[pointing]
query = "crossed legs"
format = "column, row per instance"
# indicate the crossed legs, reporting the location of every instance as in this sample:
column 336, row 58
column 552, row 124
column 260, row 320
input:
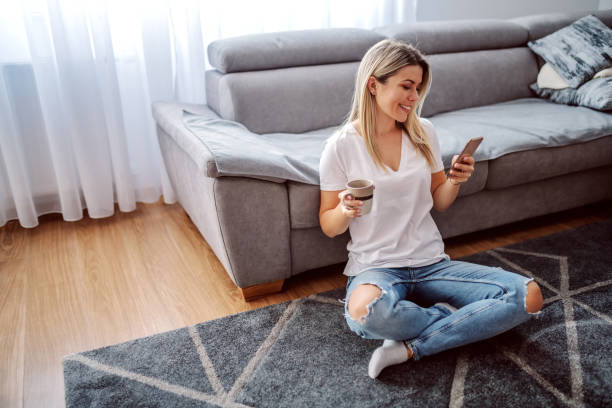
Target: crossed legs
column 366, row 293
column 490, row 301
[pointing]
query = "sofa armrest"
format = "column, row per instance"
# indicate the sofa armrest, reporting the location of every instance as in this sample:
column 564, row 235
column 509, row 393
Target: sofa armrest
column 169, row 116
column 245, row 221
column 254, row 220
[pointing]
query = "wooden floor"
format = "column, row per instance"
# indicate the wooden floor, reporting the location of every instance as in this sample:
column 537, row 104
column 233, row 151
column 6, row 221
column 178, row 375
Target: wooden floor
column 66, row 287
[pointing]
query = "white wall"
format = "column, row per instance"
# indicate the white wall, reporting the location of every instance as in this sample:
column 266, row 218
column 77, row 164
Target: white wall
column 605, row 4
column 473, row 9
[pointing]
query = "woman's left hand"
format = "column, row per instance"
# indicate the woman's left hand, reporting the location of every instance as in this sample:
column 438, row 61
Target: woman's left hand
column 462, row 171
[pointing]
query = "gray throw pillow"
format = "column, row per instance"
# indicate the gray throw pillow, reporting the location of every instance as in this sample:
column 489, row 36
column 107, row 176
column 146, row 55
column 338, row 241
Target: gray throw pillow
column 595, row 94
column 578, row 51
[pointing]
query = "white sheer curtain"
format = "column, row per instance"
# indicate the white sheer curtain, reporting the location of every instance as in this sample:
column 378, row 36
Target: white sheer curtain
column 77, row 79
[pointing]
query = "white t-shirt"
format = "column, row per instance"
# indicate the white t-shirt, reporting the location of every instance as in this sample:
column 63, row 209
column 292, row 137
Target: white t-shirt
column 399, row 231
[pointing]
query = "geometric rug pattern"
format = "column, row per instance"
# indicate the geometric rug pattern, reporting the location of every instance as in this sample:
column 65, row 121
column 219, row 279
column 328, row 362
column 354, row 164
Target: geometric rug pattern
column 301, row 353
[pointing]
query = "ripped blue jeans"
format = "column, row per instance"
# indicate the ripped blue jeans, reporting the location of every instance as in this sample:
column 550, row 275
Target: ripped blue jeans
column 489, row 300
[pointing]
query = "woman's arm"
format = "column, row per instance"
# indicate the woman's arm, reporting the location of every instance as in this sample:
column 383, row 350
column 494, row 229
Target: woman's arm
column 334, row 218
column 444, row 190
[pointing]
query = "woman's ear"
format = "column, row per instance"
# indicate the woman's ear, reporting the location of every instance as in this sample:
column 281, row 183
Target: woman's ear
column 372, row 85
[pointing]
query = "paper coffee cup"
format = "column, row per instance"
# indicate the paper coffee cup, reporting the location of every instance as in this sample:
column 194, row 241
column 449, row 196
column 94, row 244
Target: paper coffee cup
column 362, row 190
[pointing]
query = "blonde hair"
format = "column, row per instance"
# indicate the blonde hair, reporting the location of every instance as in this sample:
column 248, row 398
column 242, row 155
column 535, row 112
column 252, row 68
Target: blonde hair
column 382, row 61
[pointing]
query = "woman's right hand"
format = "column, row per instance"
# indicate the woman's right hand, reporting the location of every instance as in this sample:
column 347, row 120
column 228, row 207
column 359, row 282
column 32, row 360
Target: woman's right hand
column 350, row 208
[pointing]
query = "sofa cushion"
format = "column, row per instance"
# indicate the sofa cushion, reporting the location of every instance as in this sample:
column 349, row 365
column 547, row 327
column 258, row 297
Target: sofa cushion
column 595, row 94
column 508, row 127
column 539, row 164
column 291, row 49
column 578, row 51
column 604, row 73
column 523, row 124
column 304, row 202
column 466, row 79
column 311, row 249
column 548, row 78
column 491, row 208
column 304, row 199
column 436, row 37
column 541, row 25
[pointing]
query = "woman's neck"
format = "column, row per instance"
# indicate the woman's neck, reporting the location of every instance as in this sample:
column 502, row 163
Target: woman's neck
column 385, row 126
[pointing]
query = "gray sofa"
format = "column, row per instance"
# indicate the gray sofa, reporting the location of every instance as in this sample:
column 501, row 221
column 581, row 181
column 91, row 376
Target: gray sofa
column 537, row 158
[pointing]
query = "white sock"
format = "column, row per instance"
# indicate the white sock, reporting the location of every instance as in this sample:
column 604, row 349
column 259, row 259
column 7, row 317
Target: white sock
column 390, row 353
column 452, row 308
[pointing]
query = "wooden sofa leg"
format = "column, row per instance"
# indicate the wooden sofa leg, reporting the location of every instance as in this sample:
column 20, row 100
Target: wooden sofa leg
column 263, row 289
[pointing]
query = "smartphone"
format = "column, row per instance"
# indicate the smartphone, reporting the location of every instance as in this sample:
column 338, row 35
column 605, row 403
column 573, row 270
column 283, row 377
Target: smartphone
column 470, row 148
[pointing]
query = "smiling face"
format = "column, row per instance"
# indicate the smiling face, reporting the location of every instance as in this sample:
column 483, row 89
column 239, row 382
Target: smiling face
column 399, row 94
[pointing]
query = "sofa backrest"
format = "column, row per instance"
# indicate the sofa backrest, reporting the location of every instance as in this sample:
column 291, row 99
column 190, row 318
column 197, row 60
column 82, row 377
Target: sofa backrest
column 541, row 25
column 299, row 81
column 292, row 81
column 473, row 62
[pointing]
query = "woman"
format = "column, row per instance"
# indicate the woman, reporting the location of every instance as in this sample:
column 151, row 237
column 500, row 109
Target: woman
column 402, row 287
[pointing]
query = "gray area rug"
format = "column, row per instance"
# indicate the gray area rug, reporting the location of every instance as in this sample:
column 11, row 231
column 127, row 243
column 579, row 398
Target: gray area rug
column 301, row 354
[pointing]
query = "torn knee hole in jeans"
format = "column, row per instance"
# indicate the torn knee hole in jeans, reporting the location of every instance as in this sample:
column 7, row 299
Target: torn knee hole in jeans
column 361, row 318
column 525, row 306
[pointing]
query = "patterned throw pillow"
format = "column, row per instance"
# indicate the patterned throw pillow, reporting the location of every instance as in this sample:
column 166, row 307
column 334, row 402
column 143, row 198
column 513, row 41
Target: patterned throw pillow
column 578, row 51
column 596, row 94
